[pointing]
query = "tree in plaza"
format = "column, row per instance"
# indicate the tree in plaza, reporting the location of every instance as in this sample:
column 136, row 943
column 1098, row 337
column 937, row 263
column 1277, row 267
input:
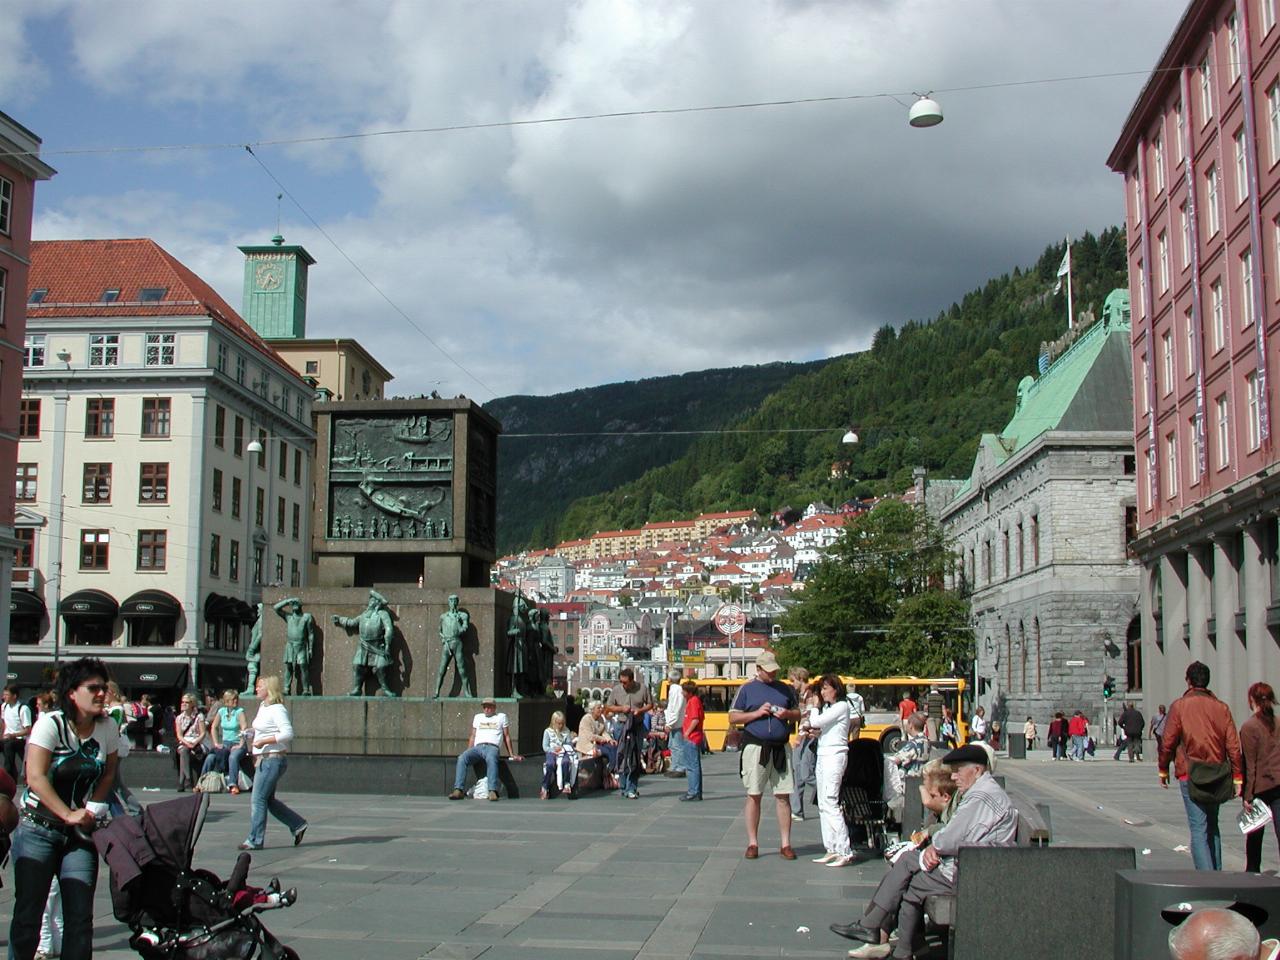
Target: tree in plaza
column 875, row 605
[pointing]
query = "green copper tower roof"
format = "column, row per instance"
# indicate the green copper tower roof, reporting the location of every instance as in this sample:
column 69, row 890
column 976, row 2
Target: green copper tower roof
column 275, row 289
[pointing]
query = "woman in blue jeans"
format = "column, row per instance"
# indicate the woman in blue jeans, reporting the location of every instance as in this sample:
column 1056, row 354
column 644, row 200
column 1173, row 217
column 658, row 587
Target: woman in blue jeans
column 272, row 735
column 71, row 765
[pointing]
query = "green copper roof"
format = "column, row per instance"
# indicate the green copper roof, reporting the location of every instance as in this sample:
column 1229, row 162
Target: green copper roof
column 1088, row 388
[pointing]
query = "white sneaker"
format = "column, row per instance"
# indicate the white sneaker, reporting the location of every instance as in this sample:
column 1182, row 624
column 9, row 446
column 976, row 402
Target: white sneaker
column 874, row 950
column 826, row 857
column 842, row 861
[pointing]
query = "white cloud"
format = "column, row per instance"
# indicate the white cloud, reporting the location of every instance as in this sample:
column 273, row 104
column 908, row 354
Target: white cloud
column 557, row 255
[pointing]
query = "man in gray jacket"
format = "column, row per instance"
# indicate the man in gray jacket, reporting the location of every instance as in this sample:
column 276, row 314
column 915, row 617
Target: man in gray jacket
column 984, row 818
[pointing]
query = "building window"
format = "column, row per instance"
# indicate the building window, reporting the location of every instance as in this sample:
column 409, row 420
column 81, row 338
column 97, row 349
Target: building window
column 32, row 345
column 1130, row 532
column 38, row 295
column 1193, row 450
column 1035, row 541
column 29, row 419
column 239, row 369
column 262, row 451
column 1142, row 289
column 1224, row 430
column 280, row 515
column 295, row 575
column 259, row 506
column 1022, row 551
column 1189, row 335
column 235, row 497
column 237, row 438
column 152, row 294
column 153, row 483
column 1233, row 48
column 297, row 520
column 1214, row 219
column 6, row 204
column 97, row 483
column 1162, row 245
column 104, row 349
column 1177, row 119
column 24, row 558
column 1255, row 410
column 1206, row 91
column 1157, row 164
column 1246, row 288
column 160, row 349
column 1218, row 311
column 100, row 417
column 151, row 549
column 1268, row 9
column 233, row 560
column 221, row 358
column 257, row 564
column 283, row 466
column 1242, row 173
column 1171, row 463
column 1146, row 382
column 94, row 549
column 297, row 407
column 297, row 467
column 1166, row 351
column 279, row 578
column 155, row 416
column 217, row 489
column 312, row 367
column 1186, row 236
column 26, row 482
column 215, row 554
column 219, row 426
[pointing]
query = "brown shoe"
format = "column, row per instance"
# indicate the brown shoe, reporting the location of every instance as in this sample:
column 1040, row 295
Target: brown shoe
column 456, row 795
column 787, row 853
column 752, row 852
column 493, row 794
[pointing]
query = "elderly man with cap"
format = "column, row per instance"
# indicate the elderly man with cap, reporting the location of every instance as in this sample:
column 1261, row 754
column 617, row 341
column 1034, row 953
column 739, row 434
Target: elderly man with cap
column 984, row 818
column 489, row 730
column 766, row 709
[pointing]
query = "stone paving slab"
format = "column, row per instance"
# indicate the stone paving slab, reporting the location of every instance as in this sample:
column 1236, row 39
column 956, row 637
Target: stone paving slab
column 409, row 878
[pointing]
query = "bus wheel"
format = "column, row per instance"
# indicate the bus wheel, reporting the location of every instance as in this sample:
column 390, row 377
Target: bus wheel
column 891, row 741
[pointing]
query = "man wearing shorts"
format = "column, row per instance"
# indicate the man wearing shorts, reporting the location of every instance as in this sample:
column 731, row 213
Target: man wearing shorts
column 766, row 709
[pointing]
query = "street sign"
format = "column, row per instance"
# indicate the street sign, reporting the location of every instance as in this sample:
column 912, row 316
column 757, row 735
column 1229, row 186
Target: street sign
column 730, row 619
column 691, row 657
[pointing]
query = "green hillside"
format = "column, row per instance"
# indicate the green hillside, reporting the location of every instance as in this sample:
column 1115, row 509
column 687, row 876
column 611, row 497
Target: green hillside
column 920, row 396
column 539, row 476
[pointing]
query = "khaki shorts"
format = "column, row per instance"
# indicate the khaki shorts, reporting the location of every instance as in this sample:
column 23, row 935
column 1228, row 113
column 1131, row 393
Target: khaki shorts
column 767, row 779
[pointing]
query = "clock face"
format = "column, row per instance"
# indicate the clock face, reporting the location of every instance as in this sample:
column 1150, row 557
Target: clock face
column 269, row 276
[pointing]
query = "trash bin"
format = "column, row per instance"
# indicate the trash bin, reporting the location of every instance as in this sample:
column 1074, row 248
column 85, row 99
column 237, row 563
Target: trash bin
column 1017, row 746
column 1151, row 902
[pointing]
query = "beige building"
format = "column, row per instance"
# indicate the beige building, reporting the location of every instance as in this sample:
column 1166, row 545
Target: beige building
column 164, row 470
column 340, row 368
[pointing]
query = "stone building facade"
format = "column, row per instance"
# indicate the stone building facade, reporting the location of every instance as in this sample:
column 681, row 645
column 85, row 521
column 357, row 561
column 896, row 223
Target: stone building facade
column 1040, row 531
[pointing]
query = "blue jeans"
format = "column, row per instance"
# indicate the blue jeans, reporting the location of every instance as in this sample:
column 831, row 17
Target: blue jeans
column 630, row 781
column 215, row 759
column 676, row 743
column 1206, row 842
column 1078, row 746
column 270, row 770
column 39, row 854
column 488, row 752
column 233, row 764
column 693, row 764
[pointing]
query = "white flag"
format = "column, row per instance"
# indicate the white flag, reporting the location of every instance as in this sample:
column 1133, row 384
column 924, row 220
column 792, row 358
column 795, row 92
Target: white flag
column 1064, row 268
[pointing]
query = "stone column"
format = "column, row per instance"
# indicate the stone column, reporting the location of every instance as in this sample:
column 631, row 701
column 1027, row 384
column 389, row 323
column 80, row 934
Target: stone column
column 1256, row 598
column 1175, row 616
column 1219, row 657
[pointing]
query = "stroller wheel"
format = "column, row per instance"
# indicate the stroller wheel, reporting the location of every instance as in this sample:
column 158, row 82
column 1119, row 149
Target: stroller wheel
column 290, row 954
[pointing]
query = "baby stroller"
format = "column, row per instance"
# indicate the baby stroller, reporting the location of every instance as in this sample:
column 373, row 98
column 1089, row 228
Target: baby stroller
column 177, row 912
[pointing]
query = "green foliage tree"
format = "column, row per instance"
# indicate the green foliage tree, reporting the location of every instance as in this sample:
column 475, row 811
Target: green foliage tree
column 875, row 605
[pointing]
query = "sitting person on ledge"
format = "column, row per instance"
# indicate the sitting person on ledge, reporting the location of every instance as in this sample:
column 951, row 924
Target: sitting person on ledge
column 984, row 817
column 489, row 730
column 560, row 773
column 594, row 741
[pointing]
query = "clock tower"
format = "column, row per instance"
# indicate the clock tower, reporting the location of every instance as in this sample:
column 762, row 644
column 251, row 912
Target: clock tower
column 275, row 289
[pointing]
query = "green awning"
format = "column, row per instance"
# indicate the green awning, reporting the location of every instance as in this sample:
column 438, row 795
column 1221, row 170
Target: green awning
column 89, row 605
column 24, row 603
column 151, row 603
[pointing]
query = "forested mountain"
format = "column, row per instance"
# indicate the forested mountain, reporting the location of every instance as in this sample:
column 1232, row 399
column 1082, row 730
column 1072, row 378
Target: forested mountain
column 538, row 476
column 921, row 395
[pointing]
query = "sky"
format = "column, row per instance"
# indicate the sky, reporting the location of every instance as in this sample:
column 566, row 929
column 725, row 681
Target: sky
column 543, row 257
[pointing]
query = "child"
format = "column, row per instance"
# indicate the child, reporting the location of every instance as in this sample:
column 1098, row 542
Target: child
column 1029, row 731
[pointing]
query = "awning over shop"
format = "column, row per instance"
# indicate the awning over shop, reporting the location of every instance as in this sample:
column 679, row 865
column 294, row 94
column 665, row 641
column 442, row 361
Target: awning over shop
column 30, row 673
column 148, row 673
column 218, row 607
column 150, row 603
column 89, row 605
column 24, row 603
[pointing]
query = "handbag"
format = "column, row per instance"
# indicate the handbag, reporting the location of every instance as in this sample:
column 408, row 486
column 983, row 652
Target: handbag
column 1209, row 783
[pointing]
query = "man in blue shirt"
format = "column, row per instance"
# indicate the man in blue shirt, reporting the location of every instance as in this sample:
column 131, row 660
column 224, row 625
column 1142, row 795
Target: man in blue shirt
column 766, row 709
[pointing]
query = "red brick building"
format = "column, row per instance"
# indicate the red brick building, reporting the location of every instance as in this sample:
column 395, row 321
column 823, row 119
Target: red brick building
column 20, row 168
column 1200, row 156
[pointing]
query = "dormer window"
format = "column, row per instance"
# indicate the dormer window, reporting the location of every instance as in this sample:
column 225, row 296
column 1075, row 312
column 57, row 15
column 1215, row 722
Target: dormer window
column 152, row 294
column 37, row 296
column 110, row 296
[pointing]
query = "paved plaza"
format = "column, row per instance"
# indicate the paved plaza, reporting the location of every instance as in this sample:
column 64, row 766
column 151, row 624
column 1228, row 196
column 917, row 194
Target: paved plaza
column 404, row 878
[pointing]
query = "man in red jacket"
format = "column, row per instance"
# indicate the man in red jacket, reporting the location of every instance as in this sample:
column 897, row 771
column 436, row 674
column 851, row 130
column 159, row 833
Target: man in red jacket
column 1200, row 731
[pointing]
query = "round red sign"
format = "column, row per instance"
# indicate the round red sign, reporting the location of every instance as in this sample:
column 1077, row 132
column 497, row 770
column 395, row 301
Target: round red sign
column 730, row 619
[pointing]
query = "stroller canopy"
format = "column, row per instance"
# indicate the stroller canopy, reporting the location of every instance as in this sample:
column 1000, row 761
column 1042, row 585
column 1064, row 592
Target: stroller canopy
column 164, row 835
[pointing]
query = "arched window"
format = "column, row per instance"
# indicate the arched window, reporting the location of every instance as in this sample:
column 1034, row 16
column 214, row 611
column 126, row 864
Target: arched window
column 1022, row 649
column 1035, row 628
column 1008, row 657
column 1133, row 656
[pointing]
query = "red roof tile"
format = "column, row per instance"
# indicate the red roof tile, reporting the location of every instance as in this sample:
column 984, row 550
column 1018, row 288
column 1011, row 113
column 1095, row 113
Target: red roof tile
column 76, row 272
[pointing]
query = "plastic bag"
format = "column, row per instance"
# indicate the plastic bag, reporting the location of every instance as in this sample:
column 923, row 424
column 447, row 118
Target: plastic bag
column 1254, row 817
column 481, row 790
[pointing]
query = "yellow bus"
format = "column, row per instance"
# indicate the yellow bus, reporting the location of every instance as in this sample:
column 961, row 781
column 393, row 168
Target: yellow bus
column 881, row 697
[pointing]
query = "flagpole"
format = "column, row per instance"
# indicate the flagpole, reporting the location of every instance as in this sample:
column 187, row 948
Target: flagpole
column 1071, row 313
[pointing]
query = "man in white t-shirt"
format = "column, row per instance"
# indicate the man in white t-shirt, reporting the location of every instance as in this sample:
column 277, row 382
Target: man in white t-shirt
column 17, row 724
column 674, row 716
column 489, row 731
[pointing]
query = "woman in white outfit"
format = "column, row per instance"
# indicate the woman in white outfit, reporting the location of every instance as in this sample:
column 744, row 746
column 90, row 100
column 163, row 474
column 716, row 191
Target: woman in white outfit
column 831, row 720
column 272, row 736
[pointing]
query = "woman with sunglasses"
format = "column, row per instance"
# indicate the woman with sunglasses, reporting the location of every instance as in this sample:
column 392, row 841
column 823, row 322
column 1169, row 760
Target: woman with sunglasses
column 71, row 765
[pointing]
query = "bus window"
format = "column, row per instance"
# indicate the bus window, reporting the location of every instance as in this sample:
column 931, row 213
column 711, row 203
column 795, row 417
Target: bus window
column 713, row 699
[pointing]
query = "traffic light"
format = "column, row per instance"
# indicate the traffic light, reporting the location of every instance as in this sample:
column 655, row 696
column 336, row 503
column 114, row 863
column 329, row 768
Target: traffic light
column 1108, row 687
